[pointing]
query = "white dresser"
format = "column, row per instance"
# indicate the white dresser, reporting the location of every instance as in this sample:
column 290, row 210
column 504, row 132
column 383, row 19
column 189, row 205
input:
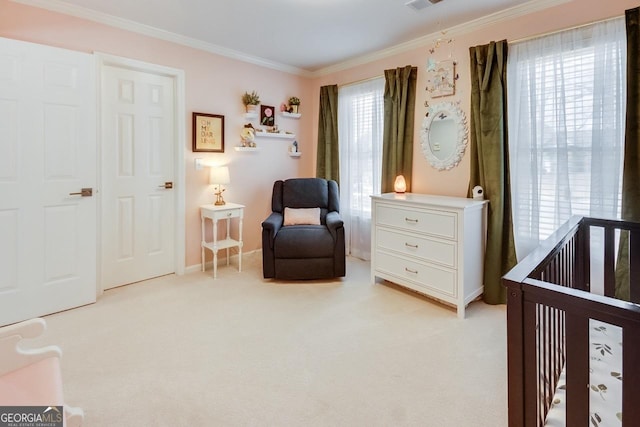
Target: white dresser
column 431, row 244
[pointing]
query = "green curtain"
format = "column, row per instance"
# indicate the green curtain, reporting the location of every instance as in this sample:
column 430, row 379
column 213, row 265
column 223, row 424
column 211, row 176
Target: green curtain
column 399, row 111
column 490, row 161
column 631, row 170
column 327, row 162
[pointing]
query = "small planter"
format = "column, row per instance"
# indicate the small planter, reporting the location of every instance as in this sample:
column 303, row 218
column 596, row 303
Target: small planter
column 251, row 108
column 294, row 109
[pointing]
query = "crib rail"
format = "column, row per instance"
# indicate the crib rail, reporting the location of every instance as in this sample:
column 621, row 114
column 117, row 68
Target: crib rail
column 548, row 310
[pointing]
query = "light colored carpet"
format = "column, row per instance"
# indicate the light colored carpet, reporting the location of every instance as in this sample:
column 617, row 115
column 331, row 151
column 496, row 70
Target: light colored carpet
column 242, row 351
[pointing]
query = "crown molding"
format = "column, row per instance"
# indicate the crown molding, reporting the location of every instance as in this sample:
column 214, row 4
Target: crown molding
column 465, row 28
column 125, row 24
column 147, row 30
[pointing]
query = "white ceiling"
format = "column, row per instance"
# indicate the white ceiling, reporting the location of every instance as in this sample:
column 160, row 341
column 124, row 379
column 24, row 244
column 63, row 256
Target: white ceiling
column 305, row 36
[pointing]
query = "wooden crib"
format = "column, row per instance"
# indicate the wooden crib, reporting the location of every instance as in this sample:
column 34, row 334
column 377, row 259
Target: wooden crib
column 551, row 313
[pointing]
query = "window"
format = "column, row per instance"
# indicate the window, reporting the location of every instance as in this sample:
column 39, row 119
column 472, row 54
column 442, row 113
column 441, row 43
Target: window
column 360, row 128
column 566, row 101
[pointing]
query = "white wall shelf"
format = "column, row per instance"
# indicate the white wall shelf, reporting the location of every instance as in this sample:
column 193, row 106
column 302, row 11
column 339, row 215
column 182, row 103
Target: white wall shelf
column 245, row 148
column 250, row 116
column 295, row 154
column 291, row 115
column 281, row 135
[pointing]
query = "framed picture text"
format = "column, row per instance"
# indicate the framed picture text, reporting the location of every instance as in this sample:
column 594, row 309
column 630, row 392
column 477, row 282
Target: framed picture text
column 208, row 133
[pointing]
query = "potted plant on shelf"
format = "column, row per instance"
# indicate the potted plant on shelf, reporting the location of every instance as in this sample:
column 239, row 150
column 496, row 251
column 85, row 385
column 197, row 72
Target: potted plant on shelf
column 294, row 104
column 251, row 101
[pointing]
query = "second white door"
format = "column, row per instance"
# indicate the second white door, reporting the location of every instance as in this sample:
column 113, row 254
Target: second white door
column 138, row 133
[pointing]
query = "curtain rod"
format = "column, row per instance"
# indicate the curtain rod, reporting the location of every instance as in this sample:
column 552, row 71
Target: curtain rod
column 526, row 39
column 361, row 81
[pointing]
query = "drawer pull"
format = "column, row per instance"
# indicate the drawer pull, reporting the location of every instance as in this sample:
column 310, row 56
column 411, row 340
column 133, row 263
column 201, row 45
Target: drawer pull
column 411, row 246
column 408, row 270
column 415, row 221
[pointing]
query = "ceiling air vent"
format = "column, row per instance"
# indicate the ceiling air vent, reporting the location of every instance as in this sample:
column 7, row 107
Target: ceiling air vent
column 420, row 4
column 417, row 4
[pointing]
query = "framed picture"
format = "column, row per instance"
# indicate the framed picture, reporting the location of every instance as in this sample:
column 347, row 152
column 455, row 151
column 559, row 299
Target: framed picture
column 267, row 115
column 208, row 132
column 441, row 78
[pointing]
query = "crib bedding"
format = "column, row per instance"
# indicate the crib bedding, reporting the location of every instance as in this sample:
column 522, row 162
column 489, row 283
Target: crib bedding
column 605, row 373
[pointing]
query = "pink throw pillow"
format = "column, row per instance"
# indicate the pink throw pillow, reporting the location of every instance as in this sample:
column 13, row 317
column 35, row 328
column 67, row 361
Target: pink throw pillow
column 302, row 216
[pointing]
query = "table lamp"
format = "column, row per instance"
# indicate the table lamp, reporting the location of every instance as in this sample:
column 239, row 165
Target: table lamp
column 219, row 176
column 400, row 185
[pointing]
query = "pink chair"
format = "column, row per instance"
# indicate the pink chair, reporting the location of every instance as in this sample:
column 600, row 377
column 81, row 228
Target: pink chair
column 32, row 377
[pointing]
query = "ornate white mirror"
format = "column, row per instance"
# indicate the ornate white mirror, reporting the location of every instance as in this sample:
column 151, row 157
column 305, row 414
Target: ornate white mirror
column 444, row 135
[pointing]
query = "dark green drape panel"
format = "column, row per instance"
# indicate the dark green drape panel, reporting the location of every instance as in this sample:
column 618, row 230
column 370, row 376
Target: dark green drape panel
column 631, row 171
column 327, row 162
column 490, row 161
column 399, row 109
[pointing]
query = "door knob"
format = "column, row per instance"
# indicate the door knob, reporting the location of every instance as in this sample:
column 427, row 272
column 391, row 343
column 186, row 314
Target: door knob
column 166, row 185
column 84, row 192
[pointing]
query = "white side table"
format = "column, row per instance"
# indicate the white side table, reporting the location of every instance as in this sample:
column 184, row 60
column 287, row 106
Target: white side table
column 215, row 213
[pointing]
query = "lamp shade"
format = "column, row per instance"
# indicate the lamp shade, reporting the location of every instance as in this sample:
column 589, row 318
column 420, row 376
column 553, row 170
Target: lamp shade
column 219, row 175
column 400, row 185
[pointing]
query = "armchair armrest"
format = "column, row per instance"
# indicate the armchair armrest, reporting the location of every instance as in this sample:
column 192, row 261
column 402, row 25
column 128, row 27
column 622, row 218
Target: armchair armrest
column 334, row 222
column 32, row 376
column 13, row 356
column 272, row 224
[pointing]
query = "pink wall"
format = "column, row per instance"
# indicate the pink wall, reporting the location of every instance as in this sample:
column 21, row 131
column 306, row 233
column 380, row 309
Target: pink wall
column 455, row 182
column 214, row 84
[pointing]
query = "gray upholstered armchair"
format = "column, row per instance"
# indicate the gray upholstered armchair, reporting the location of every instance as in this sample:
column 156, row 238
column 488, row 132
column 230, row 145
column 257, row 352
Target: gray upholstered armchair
column 304, row 250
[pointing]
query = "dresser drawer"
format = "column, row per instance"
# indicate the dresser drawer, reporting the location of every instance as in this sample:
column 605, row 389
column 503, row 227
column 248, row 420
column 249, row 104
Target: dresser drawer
column 431, row 278
column 438, row 251
column 435, row 223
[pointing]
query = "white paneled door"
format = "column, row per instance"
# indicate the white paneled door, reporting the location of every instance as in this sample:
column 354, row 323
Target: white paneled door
column 47, row 158
column 138, row 205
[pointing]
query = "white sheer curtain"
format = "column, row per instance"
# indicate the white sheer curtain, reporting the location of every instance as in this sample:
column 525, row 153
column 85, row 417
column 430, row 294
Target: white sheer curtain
column 566, row 101
column 360, row 126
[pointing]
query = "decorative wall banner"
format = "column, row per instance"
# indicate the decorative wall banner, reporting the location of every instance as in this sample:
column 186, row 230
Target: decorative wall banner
column 441, row 78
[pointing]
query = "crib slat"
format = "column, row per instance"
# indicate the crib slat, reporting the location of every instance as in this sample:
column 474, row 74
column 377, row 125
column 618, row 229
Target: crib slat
column 572, row 263
column 584, row 254
column 545, row 347
column 554, row 346
column 577, row 339
column 565, row 266
column 609, row 269
column 630, row 375
column 531, row 378
column 515, row 357
column 634, row 267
